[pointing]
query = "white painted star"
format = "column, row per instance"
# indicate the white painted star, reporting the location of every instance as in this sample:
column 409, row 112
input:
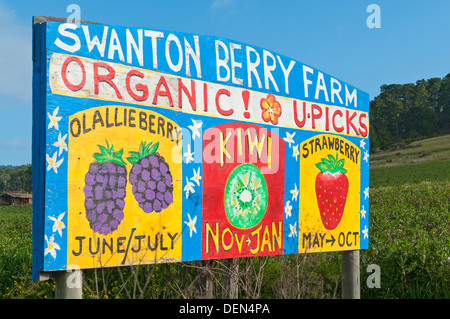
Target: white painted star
column 51, row 246
column 294, row 192
column 366, row 193
column 195, row 128
column 362, row 143
column 288, row 209
column 188, row 154
column 53, row 163
column 365, row 232
column 363, row 212
column 295, row 152
column 58, row 225
column 61, row 143
column 54, row 119
column 191, row 225
column 189, row 187
column 196, row 178
column 293, row 230
column 289, row 138
column 366, row 156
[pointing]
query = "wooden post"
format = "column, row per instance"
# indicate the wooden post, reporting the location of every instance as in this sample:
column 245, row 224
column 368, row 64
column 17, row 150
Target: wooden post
column 68, row 284
column 230, row 278
column 350, row 275
column 204, row 283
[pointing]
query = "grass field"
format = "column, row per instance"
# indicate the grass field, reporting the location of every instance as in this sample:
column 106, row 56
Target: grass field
column 427, row 160
column 429, row 150
column 409, row 240
column 15, row 255
column 409, row 216
column 432, row 171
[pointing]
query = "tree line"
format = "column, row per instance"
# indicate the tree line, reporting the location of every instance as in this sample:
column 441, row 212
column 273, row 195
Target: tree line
column 403, row 113
column 15, row 178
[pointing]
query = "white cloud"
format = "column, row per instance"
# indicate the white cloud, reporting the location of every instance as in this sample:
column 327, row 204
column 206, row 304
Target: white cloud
column 15, row 59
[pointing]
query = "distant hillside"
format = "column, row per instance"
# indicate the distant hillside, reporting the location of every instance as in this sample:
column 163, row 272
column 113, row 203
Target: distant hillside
column 433, row 149
column 424, row 160
column 403, row 113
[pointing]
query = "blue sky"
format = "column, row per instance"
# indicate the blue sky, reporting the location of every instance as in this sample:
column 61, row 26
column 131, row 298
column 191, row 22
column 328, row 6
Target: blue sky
column 333, row 36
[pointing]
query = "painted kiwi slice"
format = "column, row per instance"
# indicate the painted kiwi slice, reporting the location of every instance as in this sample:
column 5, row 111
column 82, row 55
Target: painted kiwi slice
column 245, row 196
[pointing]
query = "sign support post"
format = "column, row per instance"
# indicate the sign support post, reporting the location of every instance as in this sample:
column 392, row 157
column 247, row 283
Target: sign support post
column 350, row 275
column 68, row 284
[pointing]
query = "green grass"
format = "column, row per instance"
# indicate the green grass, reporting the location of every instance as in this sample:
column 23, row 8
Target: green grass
column 410, row 241
column 409, row 216
column 15, row 256
column 430, row 171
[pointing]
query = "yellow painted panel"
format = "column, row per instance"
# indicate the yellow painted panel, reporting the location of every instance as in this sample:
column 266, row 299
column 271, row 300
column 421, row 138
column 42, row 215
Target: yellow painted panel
column 329, row 202
column 140, row 237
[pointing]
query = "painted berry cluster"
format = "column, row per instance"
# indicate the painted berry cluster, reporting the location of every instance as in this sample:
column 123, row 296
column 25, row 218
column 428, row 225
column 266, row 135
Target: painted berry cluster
column 151, row 178
column 105, row 190
column 106, row 180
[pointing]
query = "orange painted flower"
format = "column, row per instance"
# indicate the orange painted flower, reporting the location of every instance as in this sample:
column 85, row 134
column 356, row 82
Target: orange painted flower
column 271, row 109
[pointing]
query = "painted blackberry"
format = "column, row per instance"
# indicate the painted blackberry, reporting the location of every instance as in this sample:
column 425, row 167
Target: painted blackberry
column 151, row 178
column 105, row 190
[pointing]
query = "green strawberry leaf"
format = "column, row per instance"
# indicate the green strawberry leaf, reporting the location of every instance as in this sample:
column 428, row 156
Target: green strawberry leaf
column 332, row 160
column 331, row 165
column 327, row 162
column 322, row 167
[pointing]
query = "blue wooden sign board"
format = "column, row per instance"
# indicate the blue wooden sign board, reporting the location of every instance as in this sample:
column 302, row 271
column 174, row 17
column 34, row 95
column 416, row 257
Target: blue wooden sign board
column 154, row 146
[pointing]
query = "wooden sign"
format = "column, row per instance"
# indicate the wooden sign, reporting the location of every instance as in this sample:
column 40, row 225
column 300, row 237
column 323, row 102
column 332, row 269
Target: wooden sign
column 152, row 146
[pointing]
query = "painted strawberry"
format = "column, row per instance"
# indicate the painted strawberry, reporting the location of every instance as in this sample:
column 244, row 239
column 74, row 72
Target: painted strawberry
column 331, row 190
